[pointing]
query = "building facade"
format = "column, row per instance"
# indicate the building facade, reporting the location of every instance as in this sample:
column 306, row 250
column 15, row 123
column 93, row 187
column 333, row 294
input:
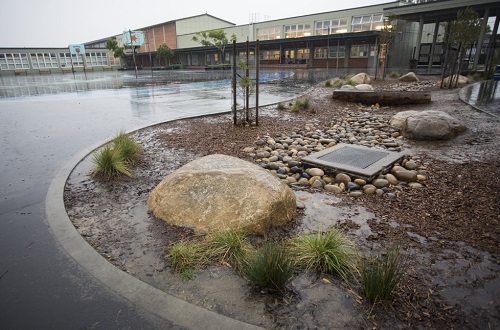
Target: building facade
column 341, row 39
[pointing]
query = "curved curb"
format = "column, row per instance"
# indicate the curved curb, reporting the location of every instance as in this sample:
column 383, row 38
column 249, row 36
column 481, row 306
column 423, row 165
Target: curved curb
column 462, row 98
column 138, row 293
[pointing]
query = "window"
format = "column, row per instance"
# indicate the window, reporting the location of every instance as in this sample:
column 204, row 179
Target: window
column 303, row 53
column 367, row 22
column 14, row 61
column 297, row 30
column 96, row 59
column 333, row 26
column 270, row 33
column 359, row 51
column 270, row 55
column 331, row 52
column 44, row 60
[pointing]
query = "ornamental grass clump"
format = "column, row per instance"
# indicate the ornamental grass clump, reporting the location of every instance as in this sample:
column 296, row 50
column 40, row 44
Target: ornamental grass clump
column 327, row 252
column 228, row 246
column 300, row 104
column 109, row 163
column 114, row 159
column 185, row 256
column 270, row 267
column 394, row 74
column 381, row 273
column 327, row 83
column 128, row 148
column 338, row 82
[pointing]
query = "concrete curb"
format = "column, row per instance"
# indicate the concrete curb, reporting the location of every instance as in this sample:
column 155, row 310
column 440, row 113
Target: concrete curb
column 138, row 293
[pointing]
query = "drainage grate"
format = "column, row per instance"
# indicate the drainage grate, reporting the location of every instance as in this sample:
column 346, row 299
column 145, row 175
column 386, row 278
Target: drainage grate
column 354, row 157
column 356, row 160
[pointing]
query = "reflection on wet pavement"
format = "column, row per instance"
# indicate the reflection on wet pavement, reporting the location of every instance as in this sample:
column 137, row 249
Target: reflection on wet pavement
column 484, row 95
column 323, row 212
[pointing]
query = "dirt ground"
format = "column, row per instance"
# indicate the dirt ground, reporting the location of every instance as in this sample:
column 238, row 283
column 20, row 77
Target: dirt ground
column 450, row 228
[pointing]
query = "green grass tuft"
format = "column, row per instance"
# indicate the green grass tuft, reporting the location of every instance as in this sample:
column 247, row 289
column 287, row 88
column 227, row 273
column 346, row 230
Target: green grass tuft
column 129, row 149
column 270, row 267
column 328, row 252
column 300, row 104
column 338, row 82
column 381, row 273
column 109, row 163
column 185, row 255
column 327, row 83
column 394, row 74
column 281, row 106
column 229, row 246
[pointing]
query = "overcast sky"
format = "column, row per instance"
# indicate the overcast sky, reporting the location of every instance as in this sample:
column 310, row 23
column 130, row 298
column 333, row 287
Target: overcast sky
column 58, row 23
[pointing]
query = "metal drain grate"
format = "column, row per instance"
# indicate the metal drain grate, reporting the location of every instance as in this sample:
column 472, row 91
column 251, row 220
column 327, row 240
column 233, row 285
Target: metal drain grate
column 356, row 160
column 354, row 157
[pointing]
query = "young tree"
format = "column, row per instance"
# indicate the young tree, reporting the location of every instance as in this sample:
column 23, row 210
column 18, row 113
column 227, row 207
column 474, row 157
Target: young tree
column 464, row 31
column 112, row 44
column 216, row 38
column 164, row 52
column 387, row 34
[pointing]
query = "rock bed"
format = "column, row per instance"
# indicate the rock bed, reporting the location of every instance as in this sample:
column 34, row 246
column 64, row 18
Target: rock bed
column 282, row 155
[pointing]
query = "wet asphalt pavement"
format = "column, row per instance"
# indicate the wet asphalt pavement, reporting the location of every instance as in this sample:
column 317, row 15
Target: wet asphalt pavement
column 45, row 120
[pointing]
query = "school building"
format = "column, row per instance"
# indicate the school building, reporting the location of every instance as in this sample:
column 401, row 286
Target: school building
column 337, row 39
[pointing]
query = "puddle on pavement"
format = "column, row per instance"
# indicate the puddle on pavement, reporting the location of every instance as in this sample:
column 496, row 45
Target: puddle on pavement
column 322, row 212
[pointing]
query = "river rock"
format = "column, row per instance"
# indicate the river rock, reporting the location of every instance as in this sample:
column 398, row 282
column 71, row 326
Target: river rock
column 391, row 178
column 333, row 188
column 380, row 183
column 219, row 191
column 315, row 171
column 405, row 175
column 342, row 177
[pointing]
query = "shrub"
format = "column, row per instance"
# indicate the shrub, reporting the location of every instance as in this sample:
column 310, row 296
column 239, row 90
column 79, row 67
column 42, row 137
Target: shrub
column 300, row 104
column 109, row 163
column 327, row 83
column 229, row 246
column 270, row 267
column 351, row 82
column 394, row 74
column 328, row 252
column 129, row 149
column 381, row 273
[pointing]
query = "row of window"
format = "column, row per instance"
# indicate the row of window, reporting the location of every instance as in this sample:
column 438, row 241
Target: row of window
column 333, row 26
column 321, row 52
column 13, row 61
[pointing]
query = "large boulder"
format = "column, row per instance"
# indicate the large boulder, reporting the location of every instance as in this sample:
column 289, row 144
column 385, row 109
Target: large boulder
column 361, row 78
column 410, row 76
column 399, row 120
column 462, row 80
column 218, row 192
column 432, row 125
column 364, row 87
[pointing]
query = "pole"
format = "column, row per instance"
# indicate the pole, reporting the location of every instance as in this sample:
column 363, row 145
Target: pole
column 247, row 88
column 257, row 68
column 133, row 52
column 234, row 82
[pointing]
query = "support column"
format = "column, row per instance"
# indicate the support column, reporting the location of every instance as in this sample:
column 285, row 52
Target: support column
column 433, row 46
column 347, row 53
column 479, row 43
column 491, row 47
column 419, row 37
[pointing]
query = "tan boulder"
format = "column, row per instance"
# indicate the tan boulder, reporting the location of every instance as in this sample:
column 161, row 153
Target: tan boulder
column 361, row 78
column 218, row 192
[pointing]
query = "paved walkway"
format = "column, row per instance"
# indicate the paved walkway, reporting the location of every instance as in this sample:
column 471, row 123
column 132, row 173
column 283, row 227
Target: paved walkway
column 484, row 96
column 49, row 276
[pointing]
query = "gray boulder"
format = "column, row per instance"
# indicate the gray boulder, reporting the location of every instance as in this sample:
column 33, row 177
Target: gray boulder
column 399, row 120
column 462, row 80
column 432, row 125
column 361, row 78
column 364, row 87
column 217, row 192
column 410, row 76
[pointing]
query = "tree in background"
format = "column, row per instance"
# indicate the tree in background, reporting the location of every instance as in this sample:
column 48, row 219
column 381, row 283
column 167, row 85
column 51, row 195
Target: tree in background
column 216, row 38
column 387, row 34
column 112, row 44
column 164, row 52
column 464, row 31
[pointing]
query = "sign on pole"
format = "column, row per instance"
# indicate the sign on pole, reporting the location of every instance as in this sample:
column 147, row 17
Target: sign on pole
column 133, row 38
column 77, row 49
